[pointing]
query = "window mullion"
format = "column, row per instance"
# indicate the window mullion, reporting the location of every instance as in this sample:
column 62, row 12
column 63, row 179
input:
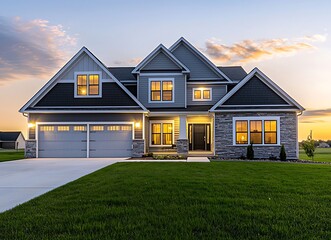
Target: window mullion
column 263, row 132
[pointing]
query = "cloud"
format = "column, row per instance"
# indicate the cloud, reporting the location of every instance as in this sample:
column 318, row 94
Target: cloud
column 249, row 50
column 31, row 49
column 131, row 62
column 318, row 113
column 316, row 116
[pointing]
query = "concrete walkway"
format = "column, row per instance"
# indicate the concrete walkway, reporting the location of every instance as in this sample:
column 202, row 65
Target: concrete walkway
column 23, row 180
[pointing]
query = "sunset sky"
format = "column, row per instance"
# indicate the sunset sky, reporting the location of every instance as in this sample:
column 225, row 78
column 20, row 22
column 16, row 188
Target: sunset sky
column 288, row 40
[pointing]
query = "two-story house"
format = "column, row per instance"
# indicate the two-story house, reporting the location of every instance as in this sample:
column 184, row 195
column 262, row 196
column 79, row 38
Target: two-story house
column 175, row 99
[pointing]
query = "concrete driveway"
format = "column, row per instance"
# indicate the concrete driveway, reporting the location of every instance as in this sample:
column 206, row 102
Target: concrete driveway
column 23, row 180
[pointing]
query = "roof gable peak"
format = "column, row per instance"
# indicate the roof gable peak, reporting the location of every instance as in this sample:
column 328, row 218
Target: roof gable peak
column 263, row 78
column 154, row 53
column 200, row 55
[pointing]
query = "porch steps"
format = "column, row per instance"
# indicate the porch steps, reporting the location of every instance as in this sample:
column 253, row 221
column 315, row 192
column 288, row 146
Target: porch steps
column 197, row 159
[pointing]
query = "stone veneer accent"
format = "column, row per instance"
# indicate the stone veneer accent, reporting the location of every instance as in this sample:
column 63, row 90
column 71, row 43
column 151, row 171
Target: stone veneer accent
column 30, row 148
column 224, row 147
column 182, row 146
column 138, row 148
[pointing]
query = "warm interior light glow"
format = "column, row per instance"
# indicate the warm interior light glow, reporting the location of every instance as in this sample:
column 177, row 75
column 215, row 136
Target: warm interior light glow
column 137, row 124
column 31, row 125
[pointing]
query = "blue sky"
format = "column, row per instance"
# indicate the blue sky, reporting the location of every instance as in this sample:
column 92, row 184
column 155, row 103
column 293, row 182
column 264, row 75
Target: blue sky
column 288, row 40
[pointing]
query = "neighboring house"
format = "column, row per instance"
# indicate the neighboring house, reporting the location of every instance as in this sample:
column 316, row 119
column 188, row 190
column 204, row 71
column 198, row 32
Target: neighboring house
column 323, row 145
column 12, row 140
column 175, row 99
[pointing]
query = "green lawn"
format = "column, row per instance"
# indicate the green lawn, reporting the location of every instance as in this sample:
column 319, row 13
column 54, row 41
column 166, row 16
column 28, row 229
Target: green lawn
column 218, row 200
column 321, row 155
column 9, row 155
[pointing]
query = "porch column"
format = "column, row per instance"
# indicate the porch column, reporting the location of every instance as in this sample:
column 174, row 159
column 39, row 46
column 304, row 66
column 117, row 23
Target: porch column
column 182, row 142
column 182, row 127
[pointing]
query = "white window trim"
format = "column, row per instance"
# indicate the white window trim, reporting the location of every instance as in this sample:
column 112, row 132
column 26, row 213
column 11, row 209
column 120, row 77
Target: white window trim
column 248, row 129
column 202, row 99
column 161, row 80
column 161, row 121
column 88, row 73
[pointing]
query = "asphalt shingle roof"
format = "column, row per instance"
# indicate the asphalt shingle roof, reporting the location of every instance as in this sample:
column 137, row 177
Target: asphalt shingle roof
column 9, row 136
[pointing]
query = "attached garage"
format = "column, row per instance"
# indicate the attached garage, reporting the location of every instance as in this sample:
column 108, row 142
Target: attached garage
column 85, row 140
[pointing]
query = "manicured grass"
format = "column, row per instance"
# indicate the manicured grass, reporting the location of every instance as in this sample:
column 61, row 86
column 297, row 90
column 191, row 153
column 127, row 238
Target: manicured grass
column 218, row 200
column 9, row 155
column 321, row 155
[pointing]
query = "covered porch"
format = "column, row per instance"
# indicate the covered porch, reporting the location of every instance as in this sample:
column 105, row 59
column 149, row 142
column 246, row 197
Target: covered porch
column 184, row 134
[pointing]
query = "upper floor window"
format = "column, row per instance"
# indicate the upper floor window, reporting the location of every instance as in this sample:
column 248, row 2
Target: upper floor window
column 202, row 94
column 161, row 90
column 256, row 130
column 87, row 84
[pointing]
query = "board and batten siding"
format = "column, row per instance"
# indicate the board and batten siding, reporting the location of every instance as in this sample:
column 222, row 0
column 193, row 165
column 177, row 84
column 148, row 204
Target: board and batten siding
column 198, row 68
column 178, row 94
column 161, row 62
column 218, row 91
column 85, row 117
column 83, row 64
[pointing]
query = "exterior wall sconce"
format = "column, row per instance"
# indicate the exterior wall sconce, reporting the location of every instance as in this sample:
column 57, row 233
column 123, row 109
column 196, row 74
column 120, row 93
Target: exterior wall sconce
column 137, row 125
column 31, row 125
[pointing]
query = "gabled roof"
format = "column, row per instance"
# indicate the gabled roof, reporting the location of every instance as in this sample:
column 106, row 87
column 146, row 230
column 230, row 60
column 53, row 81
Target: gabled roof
column 235, row 73
column 9, row 136
column 198, row 53
column 122, row 73
column 52, row 82
column 154, row 53
column 291, row 103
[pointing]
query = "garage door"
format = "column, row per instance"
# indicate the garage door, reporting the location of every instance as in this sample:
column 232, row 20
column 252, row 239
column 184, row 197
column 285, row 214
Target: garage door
column 62, row 141
column 111, row 140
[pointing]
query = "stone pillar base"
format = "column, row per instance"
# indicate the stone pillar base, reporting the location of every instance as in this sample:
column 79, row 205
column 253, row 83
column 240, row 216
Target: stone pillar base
column 138, row 148
column 182, row 146
column 30, row 148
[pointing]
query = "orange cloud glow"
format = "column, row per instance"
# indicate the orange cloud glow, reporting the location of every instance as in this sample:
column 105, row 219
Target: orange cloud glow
column 249, row 50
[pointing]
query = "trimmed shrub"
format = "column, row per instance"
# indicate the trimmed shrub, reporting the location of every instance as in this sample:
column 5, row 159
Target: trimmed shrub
column 282, row 154
column 250, row 152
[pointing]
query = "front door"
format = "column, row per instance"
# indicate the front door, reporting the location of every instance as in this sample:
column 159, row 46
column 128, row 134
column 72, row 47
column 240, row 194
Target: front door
column 199, row 137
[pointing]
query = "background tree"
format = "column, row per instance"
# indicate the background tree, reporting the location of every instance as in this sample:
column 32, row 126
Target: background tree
column 309, row 147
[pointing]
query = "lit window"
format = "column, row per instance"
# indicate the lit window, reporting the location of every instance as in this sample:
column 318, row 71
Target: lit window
column 126, row 128
column 97, row 128
column 167, row 133
column 161, row 91
column 201, row 94
column 156, row 134
column 88, row 84
column 162, row 134
column 114, row 128
column 270, row 132
column 241, row 132
column 47, row 128
column 256, row 132
column 80, row 128
column 261, row 131
column 63, row 128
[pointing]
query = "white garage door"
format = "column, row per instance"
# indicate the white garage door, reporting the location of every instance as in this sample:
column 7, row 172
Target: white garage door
column 111, row 140
column 62, row 141
column 70, row 141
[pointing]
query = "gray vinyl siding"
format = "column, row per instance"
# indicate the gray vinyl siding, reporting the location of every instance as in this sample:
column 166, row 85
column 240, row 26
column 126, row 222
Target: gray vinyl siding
column 82, row 64
column 178, row 94
column 161, row 62
column 85, row 117
column 147, row 133
column 198, row 68
column 255, row 92
column 218, row 91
